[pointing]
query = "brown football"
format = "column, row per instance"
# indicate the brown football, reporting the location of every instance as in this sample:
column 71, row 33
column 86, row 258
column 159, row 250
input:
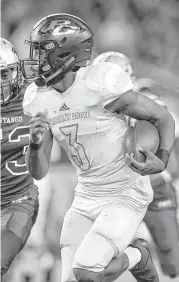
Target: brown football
column 142, row 135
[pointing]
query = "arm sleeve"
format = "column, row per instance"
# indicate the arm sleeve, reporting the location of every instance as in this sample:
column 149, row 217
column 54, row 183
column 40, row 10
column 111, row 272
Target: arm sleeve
column 110, row 80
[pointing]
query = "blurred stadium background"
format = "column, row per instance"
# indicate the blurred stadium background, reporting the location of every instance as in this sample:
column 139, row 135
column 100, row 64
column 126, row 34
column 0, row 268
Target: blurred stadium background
column 146, row 31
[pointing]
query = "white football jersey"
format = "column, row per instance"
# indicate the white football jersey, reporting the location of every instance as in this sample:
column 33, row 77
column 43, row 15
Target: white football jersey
column 91, row 136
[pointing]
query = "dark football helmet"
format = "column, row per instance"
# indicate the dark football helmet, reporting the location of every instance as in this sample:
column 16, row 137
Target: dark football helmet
column 11, row 75
column 58, row 43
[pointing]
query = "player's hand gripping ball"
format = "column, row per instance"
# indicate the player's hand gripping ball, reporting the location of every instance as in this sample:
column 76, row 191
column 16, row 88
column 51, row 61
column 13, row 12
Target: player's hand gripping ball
column 140, row 144
column 39, row 124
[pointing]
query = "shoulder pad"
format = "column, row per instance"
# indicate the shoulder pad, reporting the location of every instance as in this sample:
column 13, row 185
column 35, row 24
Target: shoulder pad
column 95, row 78
column 108, row 77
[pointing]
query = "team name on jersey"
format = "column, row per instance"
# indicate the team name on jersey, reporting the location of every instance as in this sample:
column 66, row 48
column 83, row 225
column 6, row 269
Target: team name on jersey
column 70, row 116
column 11, row 119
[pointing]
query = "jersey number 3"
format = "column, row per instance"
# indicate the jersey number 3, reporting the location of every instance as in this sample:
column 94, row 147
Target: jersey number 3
column 75, row 150
column 15, row 136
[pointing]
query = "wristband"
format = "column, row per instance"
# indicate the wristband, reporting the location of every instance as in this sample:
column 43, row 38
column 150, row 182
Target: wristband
column 35, row 146
column 163, row 155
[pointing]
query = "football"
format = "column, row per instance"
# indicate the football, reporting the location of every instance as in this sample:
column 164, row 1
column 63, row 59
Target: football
column 142, row 135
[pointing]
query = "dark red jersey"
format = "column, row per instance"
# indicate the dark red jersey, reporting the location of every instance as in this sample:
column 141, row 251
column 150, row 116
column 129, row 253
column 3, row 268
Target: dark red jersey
column 16, row 182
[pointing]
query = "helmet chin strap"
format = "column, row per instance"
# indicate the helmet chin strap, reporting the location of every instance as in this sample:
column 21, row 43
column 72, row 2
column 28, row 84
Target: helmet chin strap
column 42, row 80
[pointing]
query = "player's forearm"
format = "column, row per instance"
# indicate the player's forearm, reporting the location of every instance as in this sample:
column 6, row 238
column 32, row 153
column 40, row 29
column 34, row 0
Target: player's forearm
column 37, row 163
column 166, row 128
column 139, row 107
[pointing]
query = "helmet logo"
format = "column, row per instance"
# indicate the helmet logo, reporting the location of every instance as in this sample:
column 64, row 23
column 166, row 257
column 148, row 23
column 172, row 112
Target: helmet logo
column 58, row 27
column 64, row 29
column 50, row 46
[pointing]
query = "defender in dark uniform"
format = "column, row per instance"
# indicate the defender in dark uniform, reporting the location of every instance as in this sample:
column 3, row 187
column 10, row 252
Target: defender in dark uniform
column 19, row 195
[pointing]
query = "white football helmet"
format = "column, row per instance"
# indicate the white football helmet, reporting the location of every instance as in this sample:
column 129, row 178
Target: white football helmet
column 10, row 78
column 116, row 58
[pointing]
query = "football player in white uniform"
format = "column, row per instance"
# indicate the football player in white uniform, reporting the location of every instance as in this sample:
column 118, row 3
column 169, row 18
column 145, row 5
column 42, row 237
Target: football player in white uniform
column 79, row 109
column 161, row 216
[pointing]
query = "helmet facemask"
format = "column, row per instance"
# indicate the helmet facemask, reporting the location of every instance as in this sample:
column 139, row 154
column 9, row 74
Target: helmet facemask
column 10, row 81
column 31, row 67
column 46, row 64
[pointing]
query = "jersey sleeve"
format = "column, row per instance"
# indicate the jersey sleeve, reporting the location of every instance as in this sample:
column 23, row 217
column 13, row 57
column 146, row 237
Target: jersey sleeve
column 110, row 80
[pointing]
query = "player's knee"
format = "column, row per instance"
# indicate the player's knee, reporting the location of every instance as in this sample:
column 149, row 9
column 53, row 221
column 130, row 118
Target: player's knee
column 83, row 275
column 94, row 254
